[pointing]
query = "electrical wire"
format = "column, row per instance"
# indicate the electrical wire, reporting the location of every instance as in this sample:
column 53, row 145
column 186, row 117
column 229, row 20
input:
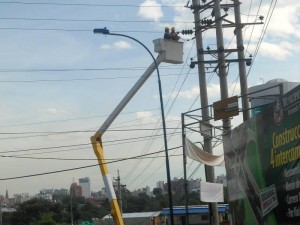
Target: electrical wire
column 138, row 163
column 77, row 159
column 89, row 5
column 77, row 30
column 86, row 20
column 11, row 70
column 269, row 16
column 64, row 170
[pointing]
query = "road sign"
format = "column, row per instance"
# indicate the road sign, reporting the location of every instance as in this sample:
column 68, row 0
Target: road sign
column 226, row 108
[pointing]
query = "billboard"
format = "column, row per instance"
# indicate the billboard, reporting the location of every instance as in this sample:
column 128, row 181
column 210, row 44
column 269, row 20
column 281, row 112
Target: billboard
column 262, row 159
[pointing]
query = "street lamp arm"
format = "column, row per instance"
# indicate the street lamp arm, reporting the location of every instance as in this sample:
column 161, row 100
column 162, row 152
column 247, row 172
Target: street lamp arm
column 105, row 31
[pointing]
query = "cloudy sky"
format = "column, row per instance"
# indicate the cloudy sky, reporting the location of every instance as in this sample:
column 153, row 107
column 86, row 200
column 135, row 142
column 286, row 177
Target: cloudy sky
column 59, row 82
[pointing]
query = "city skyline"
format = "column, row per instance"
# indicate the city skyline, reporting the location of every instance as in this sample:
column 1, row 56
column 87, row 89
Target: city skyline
column 158, row 184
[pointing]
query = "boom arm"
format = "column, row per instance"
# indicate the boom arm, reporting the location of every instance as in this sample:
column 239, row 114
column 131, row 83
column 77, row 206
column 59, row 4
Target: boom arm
column 98, row 148
column 129, row 95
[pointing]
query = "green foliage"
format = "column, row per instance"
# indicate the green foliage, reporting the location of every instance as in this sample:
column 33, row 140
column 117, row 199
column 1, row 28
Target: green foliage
column 46, row 219
column 43, row 212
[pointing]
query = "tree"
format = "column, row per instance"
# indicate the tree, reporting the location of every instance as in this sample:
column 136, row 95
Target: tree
column 38, row 212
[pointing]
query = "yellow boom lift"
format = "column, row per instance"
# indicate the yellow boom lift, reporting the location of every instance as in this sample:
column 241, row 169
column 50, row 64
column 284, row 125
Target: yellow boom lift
column 169, row 52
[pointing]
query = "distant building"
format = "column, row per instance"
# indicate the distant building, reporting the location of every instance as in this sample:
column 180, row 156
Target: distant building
column 6, row 196
column 45, row 196
column 85, row 185
column 194, row 185
column 61, row 192
column 75, row 190
column 198, row 214
column 178, row 186
column 146, row 190
column 160, row 184
column 261, row 95
column 140, row 218
column 221, row 179
column 19, row 198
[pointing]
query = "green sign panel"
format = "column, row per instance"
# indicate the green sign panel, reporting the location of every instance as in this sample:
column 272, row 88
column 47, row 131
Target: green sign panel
column 262, row 159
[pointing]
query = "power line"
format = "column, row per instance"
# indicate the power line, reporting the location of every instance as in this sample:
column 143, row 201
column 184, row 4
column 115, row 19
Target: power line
column 73, row 159
column 66, row 120
column 87, row 20
column 116, row 141
column 79, row 131
column 77, row 30
column 77, row 79
column 89, row 5
column 10, row 70
column 59, row 133
column 72, row 169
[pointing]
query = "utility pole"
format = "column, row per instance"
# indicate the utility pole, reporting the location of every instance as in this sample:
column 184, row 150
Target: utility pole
column 221, row 60
column 241, row 57
column 207, row 142
column 71, row 195
column 0, row 213
column 119, row 186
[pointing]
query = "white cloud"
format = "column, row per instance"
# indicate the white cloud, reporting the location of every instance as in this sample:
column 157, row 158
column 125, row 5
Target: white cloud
column 122, row 45
column 171, row 118
column 284, row 20
column 189, row 94
column 105, row 46
column 152, row 13
column 53, row 111
column 213, row 91
column 146, row 116
column 117, row 45
column 282, row 35
column 279, row 51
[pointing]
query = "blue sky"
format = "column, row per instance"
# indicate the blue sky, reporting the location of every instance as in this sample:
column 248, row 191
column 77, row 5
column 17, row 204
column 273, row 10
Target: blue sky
column 59, row 83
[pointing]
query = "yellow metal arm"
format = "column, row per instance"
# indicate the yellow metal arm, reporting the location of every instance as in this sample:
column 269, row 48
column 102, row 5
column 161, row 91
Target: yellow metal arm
column 98, row 149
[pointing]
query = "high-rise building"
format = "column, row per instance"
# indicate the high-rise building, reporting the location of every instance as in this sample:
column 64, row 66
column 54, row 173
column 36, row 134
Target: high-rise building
column 75, row 190
column 85, row 185
column 160, row 184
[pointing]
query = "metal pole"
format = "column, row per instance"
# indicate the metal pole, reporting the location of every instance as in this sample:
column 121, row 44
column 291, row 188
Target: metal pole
column 163, row 121
column 0, row 213
column 71, row 208
column 241, row 57
column 221, row 66
column 184, row 171
column 120, row 193
column 209, row 171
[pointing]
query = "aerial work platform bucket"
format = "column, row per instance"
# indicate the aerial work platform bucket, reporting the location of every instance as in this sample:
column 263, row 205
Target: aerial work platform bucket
column 171, row 51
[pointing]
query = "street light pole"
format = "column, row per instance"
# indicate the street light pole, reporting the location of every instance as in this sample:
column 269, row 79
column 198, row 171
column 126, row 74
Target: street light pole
column 71, row 207
column 106, row 32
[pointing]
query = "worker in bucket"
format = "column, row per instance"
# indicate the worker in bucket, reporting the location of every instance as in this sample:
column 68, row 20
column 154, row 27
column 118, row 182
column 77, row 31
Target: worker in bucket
column 167, row 34
column 174, row 35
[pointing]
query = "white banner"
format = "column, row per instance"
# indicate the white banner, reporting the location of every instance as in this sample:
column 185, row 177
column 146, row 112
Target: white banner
column 211, row 192
column 198, row 154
